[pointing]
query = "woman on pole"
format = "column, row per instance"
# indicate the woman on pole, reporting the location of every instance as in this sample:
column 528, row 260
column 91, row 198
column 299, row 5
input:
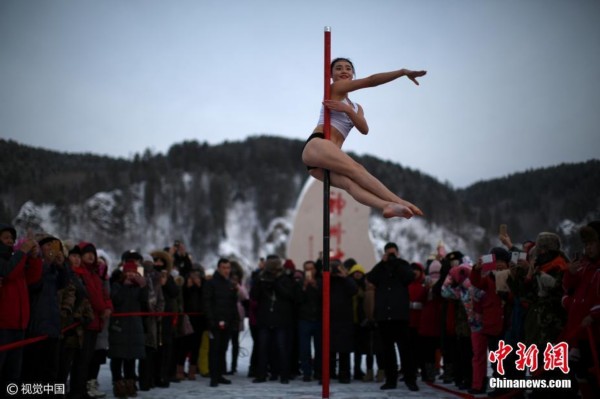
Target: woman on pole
column 320, row 154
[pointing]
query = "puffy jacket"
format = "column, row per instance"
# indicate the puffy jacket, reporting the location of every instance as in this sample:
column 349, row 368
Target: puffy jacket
column 490, row 305
column 16, row 274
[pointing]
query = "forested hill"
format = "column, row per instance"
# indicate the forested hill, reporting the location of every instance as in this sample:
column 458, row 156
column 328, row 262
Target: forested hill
column 268, row 172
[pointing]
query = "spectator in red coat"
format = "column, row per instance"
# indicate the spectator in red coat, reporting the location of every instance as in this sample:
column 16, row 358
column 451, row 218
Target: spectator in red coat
column 582, row 300
column 17, row 270
column 102, row 306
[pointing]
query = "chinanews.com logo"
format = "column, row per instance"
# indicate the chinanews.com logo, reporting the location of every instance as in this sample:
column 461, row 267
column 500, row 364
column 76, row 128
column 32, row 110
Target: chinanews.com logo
column 554, row 357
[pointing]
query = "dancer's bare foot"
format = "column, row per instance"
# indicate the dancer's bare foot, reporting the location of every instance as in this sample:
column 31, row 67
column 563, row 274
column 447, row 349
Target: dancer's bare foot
column 396, row 210
column 413, row 208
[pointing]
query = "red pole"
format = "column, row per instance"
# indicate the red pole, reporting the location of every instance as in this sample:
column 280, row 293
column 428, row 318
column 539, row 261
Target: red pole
column 326, row 272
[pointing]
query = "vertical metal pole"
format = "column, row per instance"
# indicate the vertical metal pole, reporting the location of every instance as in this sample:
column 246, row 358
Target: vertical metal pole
column 326, row 232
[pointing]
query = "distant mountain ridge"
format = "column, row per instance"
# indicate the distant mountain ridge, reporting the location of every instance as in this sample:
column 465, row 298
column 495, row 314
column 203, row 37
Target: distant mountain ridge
column 195, row 191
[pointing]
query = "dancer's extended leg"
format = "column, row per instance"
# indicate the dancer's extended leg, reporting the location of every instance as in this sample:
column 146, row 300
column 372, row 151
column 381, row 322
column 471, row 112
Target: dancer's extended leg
column 388, row 208
column 326, row 155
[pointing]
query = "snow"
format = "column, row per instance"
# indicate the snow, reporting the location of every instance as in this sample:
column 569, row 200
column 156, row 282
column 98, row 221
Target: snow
column 242, row 387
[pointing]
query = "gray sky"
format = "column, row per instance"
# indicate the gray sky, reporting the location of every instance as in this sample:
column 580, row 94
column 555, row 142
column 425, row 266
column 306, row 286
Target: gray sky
column 511, row 85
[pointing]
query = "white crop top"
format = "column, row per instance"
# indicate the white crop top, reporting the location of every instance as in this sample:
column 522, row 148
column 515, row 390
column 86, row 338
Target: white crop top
column 339, row 120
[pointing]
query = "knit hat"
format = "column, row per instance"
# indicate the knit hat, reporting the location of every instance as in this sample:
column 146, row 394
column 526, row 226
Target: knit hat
column 591, row 232
column 131, row 254
column 87, row 247
column 547, row 241
column 501, row 254
column 75, row 250
column 289, row 265
column 357, row 268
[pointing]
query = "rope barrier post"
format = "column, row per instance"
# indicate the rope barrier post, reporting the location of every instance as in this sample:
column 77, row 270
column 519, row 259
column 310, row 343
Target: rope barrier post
column 326, row 232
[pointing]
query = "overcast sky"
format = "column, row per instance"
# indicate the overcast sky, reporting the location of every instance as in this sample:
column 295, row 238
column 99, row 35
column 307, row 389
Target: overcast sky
column 511, row 85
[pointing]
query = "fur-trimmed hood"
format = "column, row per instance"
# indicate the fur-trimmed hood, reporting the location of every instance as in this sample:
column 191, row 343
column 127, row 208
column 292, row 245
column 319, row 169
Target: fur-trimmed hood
column 166, row 258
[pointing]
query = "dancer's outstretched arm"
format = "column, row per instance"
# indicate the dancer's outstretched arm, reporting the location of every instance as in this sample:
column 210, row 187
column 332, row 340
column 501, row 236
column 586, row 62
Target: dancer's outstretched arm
column 346, row 86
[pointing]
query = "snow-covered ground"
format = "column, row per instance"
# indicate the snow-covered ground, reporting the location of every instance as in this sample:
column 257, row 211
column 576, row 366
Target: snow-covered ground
column 242, row 387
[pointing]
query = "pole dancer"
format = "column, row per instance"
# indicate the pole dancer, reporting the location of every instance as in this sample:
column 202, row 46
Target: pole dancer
column 320, row 154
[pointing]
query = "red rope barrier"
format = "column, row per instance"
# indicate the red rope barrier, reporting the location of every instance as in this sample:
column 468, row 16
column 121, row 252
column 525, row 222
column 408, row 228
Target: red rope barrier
column 28, row 341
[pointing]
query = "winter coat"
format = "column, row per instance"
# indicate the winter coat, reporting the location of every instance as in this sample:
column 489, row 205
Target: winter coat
column 192, row 303
column 545, row 318
column 75, row 309
column 430, row 323
column 276, row 297
column 97, row 293
column 243, row 297
column 582, row 299
column 310, row 304
column 156, row 304
column 342, row 289
column 220, row 302
column 126, row 333
column 43, row 297
column 391, row 279
column 17, row 271
column 417, row 294
column 490, row 305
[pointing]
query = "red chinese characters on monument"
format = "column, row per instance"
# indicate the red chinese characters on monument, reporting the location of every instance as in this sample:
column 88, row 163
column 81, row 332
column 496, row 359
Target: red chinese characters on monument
column 336, row 204
column 336, row 208
column 555, row 356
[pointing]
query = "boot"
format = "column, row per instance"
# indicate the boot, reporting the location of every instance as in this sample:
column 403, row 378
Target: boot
column 119, row 389
column 368, row 376
column 192, row 372
column 130, row 388
column 179, row 375
column 380, row 375
column 92, row 389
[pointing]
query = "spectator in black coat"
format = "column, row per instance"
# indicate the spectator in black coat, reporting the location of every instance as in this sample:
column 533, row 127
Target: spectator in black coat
column 220, row 307
column 274, row 293
column 391, row 278
column 343, row 288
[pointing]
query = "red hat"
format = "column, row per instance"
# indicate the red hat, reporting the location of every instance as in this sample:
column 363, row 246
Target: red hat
column 289, row 264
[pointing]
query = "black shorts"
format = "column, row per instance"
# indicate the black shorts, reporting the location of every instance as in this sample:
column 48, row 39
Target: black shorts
column 313, row 136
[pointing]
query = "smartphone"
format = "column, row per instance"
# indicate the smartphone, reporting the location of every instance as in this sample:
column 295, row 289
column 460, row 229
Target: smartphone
column 308, row 275
column 515, row 257
column 488, row 262
column 503, row 230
